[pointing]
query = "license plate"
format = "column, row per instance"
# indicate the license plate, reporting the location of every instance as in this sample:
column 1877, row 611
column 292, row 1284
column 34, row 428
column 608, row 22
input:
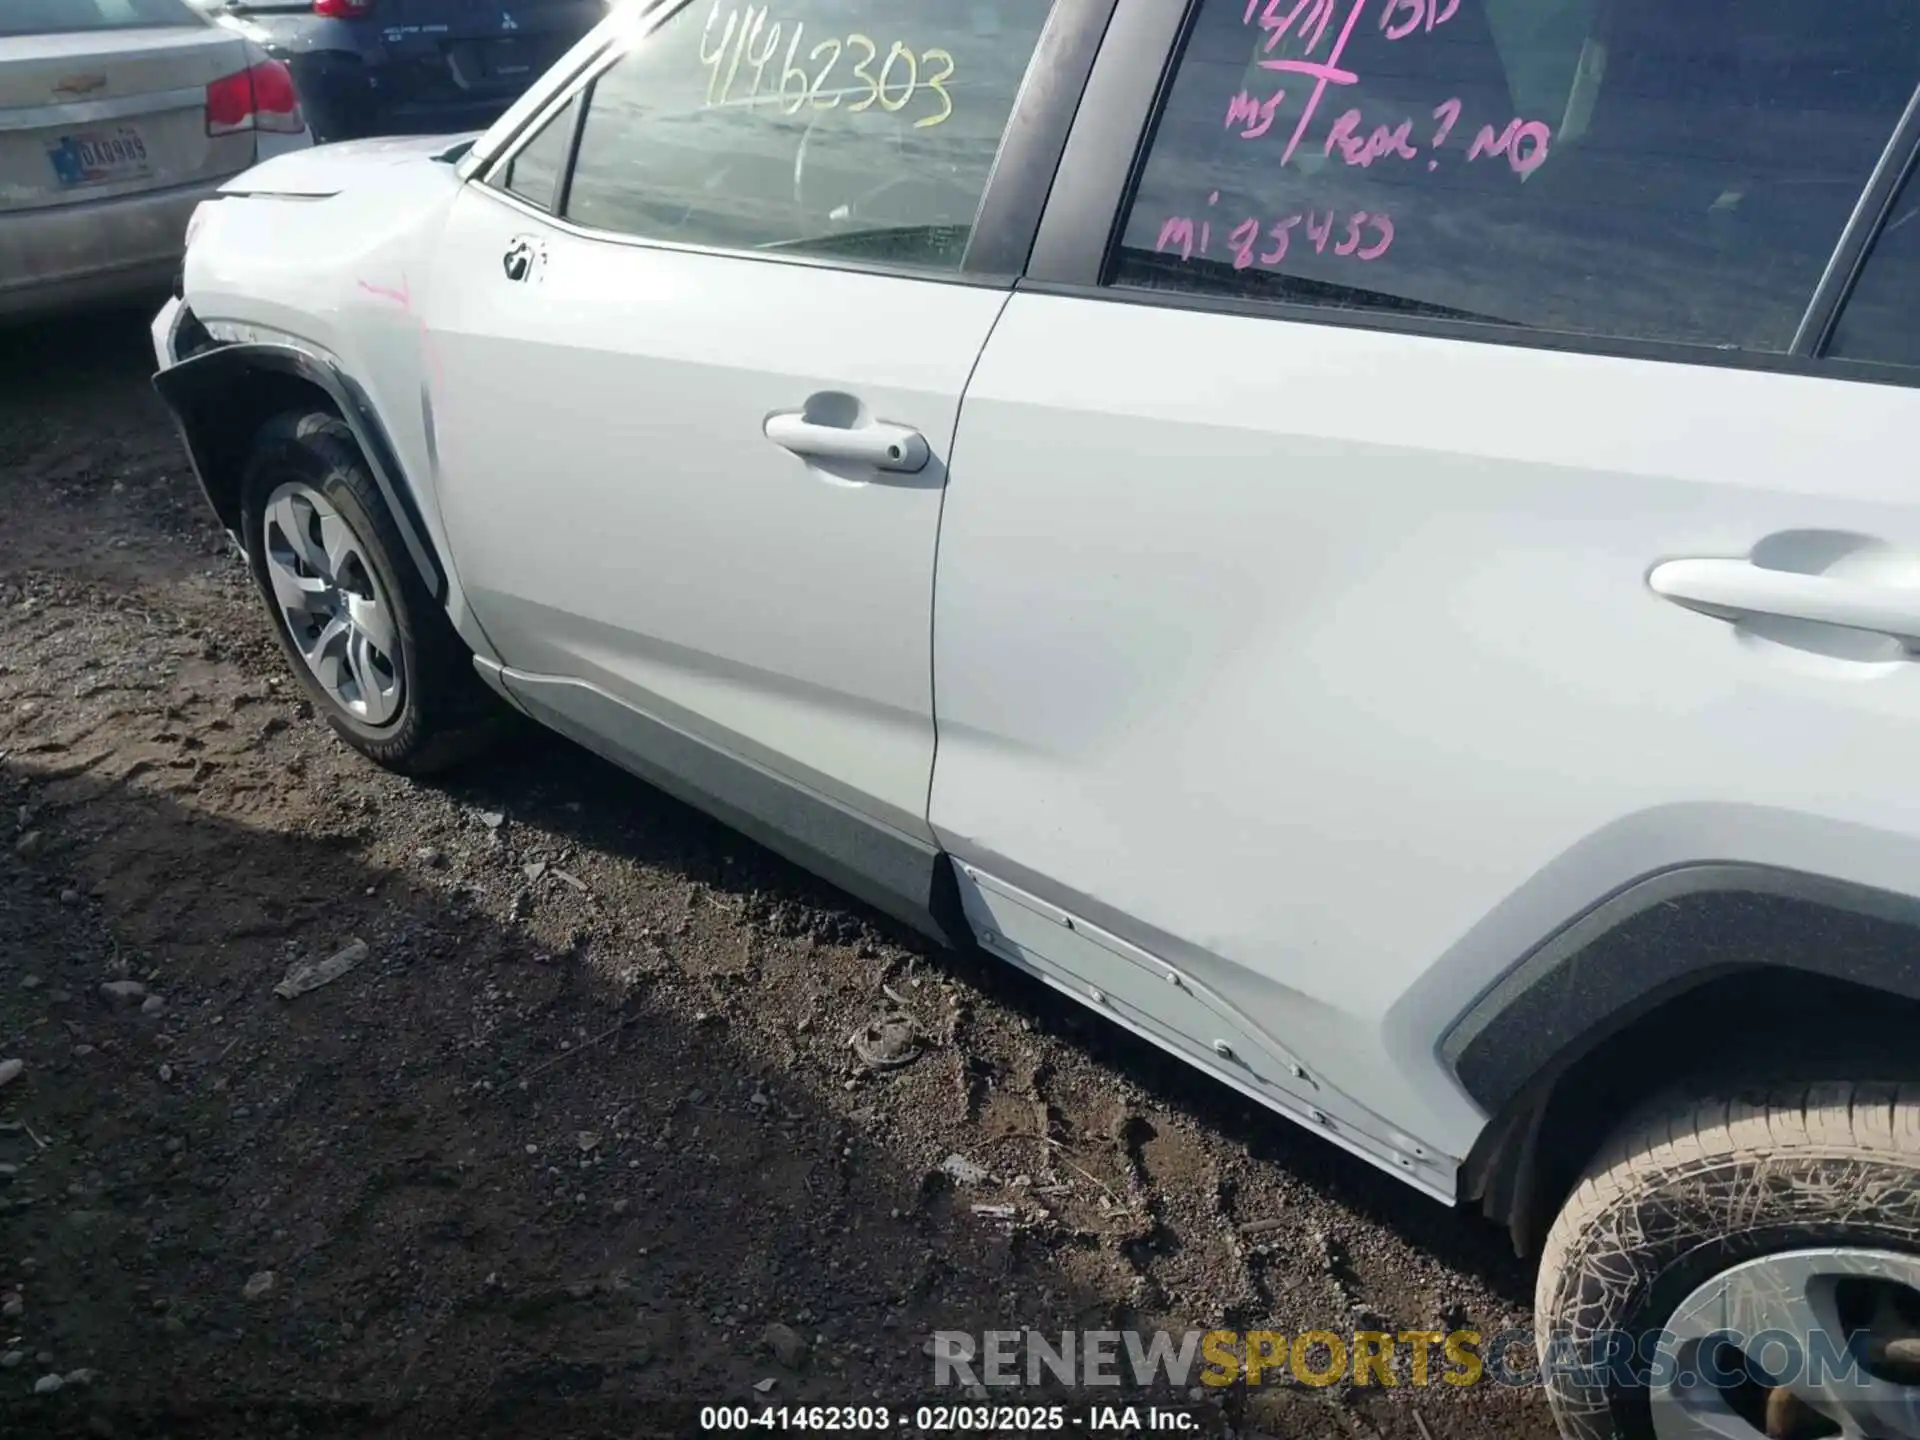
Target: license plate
column 94, row 157
column 504, row 59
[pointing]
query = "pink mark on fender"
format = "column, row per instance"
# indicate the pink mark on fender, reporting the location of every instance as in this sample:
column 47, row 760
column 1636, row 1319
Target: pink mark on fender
column 429, row 351
column 403, row 297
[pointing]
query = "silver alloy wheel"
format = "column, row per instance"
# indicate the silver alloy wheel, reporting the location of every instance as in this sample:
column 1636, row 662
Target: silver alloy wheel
column 332, row 603
column 1827, row 1340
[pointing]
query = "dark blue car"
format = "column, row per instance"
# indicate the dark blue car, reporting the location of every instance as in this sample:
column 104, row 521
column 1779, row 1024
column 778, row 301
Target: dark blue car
column 380, row 67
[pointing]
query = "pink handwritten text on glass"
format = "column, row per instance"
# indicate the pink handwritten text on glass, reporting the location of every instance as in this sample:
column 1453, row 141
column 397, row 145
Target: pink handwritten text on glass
column 1523, row 143
column 1254, row 117
column 1308, row 22
column 1358, row 149
column 1402, row 17
column 1311, row 15
column 1364, row 235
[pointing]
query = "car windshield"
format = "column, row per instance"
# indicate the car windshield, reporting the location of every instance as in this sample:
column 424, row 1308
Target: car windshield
column 57, row 17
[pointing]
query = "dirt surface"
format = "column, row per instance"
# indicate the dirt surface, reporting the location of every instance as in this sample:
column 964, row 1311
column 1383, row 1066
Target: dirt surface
column 585, row 1121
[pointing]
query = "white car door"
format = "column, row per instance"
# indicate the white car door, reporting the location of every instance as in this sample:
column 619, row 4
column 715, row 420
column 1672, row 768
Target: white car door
column 694, row 393
column 1306, row 635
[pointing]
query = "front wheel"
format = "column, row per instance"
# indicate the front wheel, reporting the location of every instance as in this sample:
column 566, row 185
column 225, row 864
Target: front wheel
column 378, row 657
column 1742, row 1266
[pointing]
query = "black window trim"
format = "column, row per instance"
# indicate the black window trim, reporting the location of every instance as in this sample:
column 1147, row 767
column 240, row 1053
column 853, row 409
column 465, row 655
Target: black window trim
column 490, row 169
column 1018, row 182
column 563, row 182
column 1026, row 167
column 1108, row 144
column 499, row 174
column 492, row 176
column 1849, row 258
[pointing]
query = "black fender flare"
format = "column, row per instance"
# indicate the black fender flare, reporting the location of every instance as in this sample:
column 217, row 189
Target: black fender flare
column 194, row 391
column 1660, row 936
column 1653, row 948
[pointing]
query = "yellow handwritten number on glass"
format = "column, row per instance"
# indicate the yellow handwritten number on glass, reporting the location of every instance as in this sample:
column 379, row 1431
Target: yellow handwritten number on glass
column 749, row 29
column 712, row 60
column 821, row 78
column 863, row 73
column 898, row 52
column 937, row 84
column 788, row 71
column 759, row 61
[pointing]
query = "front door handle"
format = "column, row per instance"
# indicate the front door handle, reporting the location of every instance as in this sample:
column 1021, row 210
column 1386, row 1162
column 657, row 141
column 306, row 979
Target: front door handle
column 1735, row 589
column 877, row 443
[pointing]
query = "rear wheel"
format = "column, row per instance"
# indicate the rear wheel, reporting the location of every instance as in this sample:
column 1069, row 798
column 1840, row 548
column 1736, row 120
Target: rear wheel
column 377, row 655
column 1742, row 1265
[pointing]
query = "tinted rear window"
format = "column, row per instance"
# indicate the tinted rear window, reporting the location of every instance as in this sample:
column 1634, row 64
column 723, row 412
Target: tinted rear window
column 1639, row 168
column 58, row 17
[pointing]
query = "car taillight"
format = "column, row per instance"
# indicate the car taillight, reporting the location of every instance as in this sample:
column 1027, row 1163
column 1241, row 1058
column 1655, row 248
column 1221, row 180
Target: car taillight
column 342, row 9
column 260, row 98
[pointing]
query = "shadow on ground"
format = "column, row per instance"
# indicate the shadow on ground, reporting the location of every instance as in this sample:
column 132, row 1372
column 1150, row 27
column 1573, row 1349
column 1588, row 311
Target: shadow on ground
column 583, row 1125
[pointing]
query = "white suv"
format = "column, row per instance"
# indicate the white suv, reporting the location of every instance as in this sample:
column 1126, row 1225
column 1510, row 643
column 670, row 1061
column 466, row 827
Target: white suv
column 1365, row 540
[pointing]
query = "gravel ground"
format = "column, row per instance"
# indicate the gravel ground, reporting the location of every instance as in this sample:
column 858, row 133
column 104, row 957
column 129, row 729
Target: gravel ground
column 584, row 1122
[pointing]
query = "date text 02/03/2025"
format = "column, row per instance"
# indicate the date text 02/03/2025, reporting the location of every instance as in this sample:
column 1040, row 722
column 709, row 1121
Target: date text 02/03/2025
column 949, row 1419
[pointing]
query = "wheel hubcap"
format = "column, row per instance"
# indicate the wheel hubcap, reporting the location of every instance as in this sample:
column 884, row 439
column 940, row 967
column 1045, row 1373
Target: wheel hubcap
column 1804, row 1345
column 332, row 603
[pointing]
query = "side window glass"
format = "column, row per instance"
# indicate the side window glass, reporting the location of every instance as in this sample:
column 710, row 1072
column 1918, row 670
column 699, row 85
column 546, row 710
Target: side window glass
column 534, row 171
column 1632, row 168
column 857, row 128
column 1881, row 319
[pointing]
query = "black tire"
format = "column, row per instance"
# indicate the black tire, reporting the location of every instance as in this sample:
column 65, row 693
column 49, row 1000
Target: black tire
column 446, row 713
column 1689, row 1188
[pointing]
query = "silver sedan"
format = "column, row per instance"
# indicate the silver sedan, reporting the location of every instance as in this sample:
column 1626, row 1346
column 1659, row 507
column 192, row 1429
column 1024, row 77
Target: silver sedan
column 117, row 117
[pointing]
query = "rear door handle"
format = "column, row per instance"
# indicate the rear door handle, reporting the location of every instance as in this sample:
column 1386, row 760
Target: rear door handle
column 871, row 442
column 1733, row 589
